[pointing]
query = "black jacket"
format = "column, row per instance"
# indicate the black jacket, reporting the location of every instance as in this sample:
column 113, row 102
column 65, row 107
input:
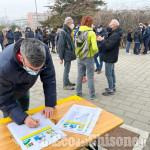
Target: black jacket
column 10, row 37
column 129, row 37
column 137, row 35
column 16, row 81
column 1, row 36
column 111, row 46
column 66, row 48
column 17, row 35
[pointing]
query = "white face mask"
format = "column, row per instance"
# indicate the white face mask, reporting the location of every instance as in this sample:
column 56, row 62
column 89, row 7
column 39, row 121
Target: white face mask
column 72, row 26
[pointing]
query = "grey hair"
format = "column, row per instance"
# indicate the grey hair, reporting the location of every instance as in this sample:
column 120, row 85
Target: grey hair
column 116, row 22
column 34, row 51
column 68, row 19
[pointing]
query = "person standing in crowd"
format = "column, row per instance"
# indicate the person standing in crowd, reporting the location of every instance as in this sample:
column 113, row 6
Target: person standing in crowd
column 52, row 39
column 38, row 35
column 2, row 39
column 17, row 34
column 29, row 33
column 146, row 37
column 137, row 40
column 10, row 36
column 110, row 55
column 66, row 51
column 129, row 41
column 46, row 36
column 86, row 60
column 99, row 63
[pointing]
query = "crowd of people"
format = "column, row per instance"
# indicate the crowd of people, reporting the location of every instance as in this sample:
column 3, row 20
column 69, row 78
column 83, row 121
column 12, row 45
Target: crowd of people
column 45, row 35
column 24, row 59
column 141, row 37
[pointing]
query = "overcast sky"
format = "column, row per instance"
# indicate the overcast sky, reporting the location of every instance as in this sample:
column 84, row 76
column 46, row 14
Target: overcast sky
column 19, row 8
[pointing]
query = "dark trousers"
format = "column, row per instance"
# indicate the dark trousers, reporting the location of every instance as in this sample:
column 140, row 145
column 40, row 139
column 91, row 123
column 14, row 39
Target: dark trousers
column 23, row 102
column 146, row 42
column 2, row 45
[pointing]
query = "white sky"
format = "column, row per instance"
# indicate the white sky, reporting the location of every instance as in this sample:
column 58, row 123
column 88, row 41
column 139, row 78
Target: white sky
column 19, row 8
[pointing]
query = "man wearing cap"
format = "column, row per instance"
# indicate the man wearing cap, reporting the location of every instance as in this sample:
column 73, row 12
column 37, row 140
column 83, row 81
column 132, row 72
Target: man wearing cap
column 99, row 63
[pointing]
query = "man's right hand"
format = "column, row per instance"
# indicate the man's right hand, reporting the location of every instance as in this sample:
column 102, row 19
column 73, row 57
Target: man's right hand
column 61, row 61
column 31, row 123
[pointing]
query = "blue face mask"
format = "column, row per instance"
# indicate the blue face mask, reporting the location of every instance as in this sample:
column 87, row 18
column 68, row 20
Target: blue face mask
column 99, row 30
column 31, row 72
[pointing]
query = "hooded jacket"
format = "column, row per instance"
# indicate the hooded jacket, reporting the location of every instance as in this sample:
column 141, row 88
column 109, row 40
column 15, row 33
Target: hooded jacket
column 10, row 37
column 111, row 46
column 137, row 35
column 15, row 81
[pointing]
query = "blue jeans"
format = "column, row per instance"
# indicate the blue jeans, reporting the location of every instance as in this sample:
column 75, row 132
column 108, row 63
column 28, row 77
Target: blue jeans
column 99, row 64
column 23, row 102
column 85, row 64
column 67, row 65
column 128, row 46
column 2, row 45
column 146, row 43
column 136, row 48
column 110, row 75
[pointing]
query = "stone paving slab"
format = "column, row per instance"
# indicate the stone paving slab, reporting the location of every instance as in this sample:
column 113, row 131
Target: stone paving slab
column 131, row 100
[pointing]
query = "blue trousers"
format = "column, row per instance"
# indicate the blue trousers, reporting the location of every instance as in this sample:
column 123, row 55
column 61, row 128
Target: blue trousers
column 99, row 63
column 146, row 43
column 110, row 75
column 128, row 46
column 136, row 48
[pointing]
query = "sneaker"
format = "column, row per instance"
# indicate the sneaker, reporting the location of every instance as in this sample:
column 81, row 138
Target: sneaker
column 107, row 89
column 96, row 69
column 107, row 93
column 128, row 53
column 84, row 80
column 92, row 97
column 68, row 88
column 71, row 84
column 99, row 71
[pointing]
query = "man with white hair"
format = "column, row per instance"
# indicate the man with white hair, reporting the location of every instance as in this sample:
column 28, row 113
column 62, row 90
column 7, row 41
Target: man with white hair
column 110, row 54
column 66, row 51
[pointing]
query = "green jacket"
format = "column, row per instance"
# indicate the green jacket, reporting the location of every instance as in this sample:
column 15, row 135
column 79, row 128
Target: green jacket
column 91, row 40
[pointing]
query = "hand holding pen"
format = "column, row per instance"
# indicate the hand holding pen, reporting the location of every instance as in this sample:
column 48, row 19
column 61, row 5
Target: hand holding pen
column 31, row 122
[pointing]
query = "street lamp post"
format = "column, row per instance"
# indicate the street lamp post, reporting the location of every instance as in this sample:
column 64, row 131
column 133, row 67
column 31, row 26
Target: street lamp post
column 36, row 13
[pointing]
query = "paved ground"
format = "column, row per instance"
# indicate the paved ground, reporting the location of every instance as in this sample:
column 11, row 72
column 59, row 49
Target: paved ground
column 131, row 100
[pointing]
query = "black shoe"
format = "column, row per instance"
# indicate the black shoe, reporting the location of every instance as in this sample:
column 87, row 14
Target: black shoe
column 107, row 89
column 71, row 84
column 107, row 93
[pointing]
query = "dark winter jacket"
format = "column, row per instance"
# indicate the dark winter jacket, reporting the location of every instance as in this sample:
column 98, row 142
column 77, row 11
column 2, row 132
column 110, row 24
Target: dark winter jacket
column 10, row 37
column 103, row 33
column 38, row 36
column 1, row 36
column 111, row 45
column 146, row 34
column 66, row 48
column 29, row 34
column 52, row 37
column 16, row 81
column 129, row 37
column 17, row 35
column 137, row 35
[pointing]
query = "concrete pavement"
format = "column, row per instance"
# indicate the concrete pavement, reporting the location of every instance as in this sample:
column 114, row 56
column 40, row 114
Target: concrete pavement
column 131, row 101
